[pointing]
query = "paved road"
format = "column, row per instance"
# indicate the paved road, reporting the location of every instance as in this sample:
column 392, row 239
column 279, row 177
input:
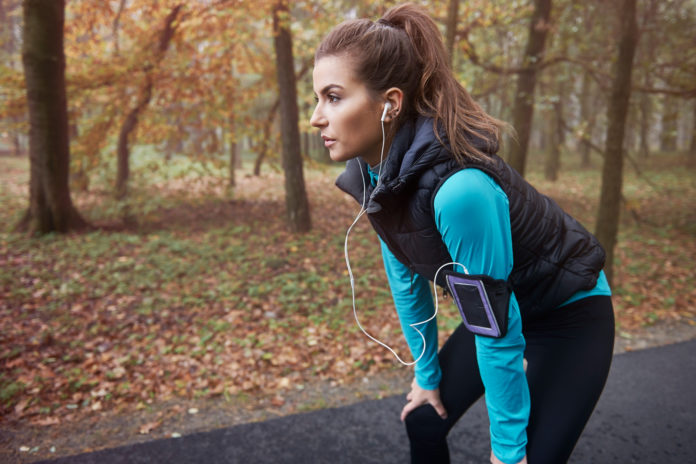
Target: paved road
column 647, row 414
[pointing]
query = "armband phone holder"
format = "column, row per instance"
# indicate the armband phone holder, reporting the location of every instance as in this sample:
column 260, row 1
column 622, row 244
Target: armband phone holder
column 482, row 301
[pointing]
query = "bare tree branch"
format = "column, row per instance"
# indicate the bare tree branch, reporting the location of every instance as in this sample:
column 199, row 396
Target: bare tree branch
column 602, row 78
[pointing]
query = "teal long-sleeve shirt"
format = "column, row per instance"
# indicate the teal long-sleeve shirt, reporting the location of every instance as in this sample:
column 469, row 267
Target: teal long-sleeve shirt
column 472, row 215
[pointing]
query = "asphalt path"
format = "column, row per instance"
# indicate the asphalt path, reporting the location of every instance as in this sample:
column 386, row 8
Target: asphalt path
column 647, row 414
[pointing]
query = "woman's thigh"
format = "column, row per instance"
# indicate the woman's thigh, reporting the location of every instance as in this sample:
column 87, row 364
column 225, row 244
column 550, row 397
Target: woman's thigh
column 568, row 354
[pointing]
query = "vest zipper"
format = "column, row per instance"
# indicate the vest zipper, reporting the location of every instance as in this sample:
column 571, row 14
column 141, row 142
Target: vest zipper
column 410, row 291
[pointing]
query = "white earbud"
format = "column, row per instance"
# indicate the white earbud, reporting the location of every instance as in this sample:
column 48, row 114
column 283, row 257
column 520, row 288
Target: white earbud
column 387, row 107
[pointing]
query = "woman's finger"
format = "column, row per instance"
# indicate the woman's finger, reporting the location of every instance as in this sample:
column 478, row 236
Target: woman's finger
column 439, row 408
column 410, row 406
column 405, row 411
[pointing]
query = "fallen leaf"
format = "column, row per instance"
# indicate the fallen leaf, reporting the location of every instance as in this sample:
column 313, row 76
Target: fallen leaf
column 284, row 382
column 47, row 421
column 21, row 406
column 149, row 427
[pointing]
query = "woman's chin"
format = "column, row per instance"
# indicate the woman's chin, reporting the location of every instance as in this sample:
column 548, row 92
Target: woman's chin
column 340, row 157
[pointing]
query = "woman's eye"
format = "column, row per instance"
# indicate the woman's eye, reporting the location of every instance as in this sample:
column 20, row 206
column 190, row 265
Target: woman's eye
column 332, row 98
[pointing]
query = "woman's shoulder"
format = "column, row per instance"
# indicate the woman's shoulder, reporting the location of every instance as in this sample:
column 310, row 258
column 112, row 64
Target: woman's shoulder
column 471, row 204
column 469, row 185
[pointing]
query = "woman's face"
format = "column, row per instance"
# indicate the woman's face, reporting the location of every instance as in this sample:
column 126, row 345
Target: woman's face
column 346, row 112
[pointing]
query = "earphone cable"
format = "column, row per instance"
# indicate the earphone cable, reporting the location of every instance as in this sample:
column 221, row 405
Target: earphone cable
column 363, row 210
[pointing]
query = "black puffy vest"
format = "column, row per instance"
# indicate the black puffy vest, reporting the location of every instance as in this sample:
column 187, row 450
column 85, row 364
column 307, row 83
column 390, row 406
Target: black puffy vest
column 553, row 255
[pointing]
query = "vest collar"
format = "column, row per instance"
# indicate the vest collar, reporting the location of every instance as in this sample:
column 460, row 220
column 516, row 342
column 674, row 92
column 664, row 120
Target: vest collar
column 413, row 150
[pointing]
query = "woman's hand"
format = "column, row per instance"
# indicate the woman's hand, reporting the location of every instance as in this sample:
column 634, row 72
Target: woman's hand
column 419, row 396
column 495, row 460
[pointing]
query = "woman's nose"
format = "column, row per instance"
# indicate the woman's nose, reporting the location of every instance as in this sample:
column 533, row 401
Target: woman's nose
column 317, row 120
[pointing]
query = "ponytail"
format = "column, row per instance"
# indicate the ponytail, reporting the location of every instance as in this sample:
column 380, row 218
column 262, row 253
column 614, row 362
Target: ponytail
column 404, row 49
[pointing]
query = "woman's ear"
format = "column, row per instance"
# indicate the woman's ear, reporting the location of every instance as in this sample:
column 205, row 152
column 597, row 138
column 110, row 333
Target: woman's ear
column 395, row 97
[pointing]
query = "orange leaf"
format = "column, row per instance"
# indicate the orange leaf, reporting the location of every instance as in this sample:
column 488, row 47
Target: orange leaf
column 149, row 427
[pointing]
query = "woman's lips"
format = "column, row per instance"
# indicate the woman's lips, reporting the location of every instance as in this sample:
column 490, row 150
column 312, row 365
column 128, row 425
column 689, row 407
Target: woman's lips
column 328, row 141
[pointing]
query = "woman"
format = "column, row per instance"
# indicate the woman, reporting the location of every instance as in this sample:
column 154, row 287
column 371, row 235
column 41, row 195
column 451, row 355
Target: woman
column 441, row 195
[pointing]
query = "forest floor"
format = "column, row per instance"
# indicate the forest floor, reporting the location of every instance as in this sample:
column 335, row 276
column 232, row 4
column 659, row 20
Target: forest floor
column 191, row 307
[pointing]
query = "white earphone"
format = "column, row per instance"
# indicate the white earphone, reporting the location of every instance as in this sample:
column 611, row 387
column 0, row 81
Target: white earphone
column 387, row 107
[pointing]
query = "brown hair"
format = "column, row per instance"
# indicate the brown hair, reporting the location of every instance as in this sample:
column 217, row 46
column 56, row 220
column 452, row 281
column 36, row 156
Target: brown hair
column 404, row 49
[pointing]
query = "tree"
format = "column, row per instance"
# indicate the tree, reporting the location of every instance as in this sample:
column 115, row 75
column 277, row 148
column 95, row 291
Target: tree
column 645, row 106
column 8, row 58
column 297, row 205
column 262, row 146
column 646, row 55
column 144, row 96
column 556, row 133
column 670, row 117
column 588, row 119
column 612, row 172
column 692, row 146
column 526, row 82
column 50, row 205
column 452, row 17
column 234, row 155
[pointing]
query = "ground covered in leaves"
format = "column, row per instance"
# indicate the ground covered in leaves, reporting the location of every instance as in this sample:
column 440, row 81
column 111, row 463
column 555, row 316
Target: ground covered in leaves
column 190, row 298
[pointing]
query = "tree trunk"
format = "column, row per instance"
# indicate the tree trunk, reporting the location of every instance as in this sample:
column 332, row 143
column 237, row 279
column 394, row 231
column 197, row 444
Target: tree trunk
column 305, row 145
column 523, row 111
column 263, row 145
column 630, row 138
column 297, row 205
column 540, row 137
column 16, row 145
column 6, row 30
column 78, row 178
column 260, row 155
column 233, row 152
column 557, row 139
column 451, row 34
column 122, row 150
column 7, row 39
column 588, row 117
column 670, row 116
column 612, row 173
column 50, row 206
column 644, row 136
column 7, row 36
column 692, row 148
column 115, row 26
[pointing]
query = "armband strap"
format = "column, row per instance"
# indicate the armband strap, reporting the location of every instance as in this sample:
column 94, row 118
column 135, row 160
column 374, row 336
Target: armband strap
column 483, row 302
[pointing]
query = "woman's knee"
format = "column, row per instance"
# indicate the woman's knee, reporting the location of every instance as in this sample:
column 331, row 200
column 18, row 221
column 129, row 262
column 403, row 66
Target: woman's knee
column 425, row 425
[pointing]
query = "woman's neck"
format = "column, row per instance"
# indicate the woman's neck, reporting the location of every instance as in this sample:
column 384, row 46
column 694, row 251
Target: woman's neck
column 378, row 157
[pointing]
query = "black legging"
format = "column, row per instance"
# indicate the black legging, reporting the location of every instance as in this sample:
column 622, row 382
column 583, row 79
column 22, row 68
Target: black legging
column 568, row 352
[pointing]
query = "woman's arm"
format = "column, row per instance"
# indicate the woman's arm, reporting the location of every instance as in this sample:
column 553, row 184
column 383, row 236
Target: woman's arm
column 414, row 303
column 472, row 214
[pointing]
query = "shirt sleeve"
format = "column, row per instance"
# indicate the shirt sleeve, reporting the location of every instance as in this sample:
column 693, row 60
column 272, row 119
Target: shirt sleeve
column 414, row 303
column 472, row 215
